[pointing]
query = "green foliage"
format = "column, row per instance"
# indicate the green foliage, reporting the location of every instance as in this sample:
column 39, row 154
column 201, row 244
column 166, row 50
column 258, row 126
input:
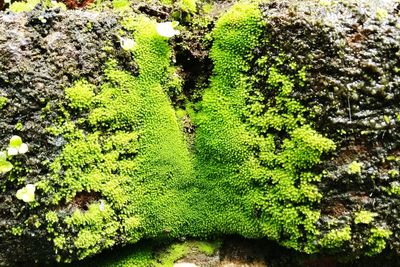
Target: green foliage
column 381, row 13
column 188, row 6
column 364, row 217
column 336, row 238
column 355, row 168
column 27, row 193
column 377, row 240
column 208, row 248
column 394, row 188
column 121, row 5
column 15, row 147
column 256, row 151
column 172, row 254
column 3, row 101
column 5, row 165
column 125, row 158
column 18, row 7
column 28, row 5
column 80, row 95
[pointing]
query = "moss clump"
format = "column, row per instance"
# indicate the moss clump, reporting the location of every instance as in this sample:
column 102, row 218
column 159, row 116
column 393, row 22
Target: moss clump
column 3, row 101
column 355, row 168
column 336, row 238
column 377, row 241
column 28, row 5
column 256, row 148
column 188, row 6
column 80, row 95
column 364, row 217
column 208, row 248
column 124, row 159
column 172, row 254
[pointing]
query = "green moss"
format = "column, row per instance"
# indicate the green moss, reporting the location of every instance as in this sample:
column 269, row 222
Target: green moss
column 355, row 168
column 18, row 7
column 261, row 185
column 80, row 95
column 28, row 5
column 393, row 173
column 188, row 6
column 121, row 5
column 172, row 254
column 377, row 240
column 3, row 101
column 208, row 248
column 19, row 126
column 17, row 230
column 364, row 217
column 125, row 157
column 381, row 13
column 336, row 238
column 394, row 188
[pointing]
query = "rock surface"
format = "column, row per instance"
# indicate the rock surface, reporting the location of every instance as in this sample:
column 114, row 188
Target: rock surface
column 305, row 91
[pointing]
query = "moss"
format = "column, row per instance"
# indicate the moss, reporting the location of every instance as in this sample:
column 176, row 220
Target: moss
column 364, row 217
column 19, row 126
column 17, row 230
column 121, row 5
column 208, row 248
column 172, row 254
column 336, row 238
column 381, row 13
column 18, row 7
column 263, row 183
column 124, row 158
column 28, row 5
column 355, row 168
column 80, row 95
column 377, row 240
column 393, row 173
column 188, row 6
column 3, row 102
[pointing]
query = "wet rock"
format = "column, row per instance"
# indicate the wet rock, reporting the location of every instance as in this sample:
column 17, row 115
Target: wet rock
column 41, row 53
column 350, row 55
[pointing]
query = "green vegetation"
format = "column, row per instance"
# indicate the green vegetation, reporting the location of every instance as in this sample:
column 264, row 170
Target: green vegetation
column 126, row 173
column 80, row 95
column 3, row 101
column 261, row 190
column 336, row 238
column 125, row 158
column 377, row 241
column 355, row 168
column 208, row 248
column 364, row 217
column 28, row 5
column 172, row 254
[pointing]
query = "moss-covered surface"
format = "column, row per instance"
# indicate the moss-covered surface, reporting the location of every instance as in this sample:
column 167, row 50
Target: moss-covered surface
column 277, row 125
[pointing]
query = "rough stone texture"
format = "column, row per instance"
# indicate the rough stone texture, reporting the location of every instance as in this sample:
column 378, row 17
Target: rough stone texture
column 352, row 59
column 351, row 54
column 37, row 61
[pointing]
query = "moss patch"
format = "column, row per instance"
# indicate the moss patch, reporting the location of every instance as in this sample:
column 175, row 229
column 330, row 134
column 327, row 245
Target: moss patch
column 124, row 160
